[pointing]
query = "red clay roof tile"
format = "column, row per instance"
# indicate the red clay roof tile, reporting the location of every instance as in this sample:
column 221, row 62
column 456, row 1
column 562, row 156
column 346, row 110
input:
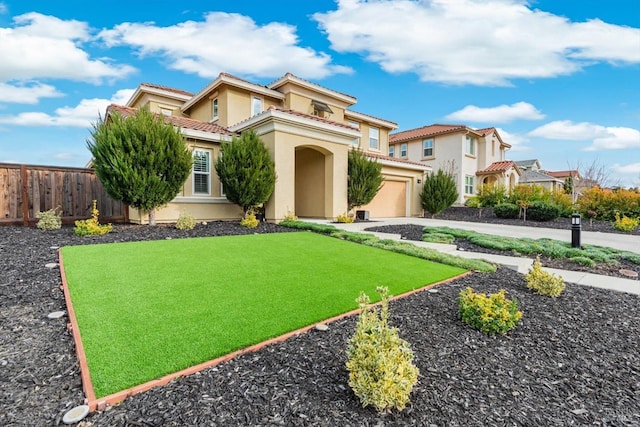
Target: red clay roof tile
column 167, row 88
column 183, row 122
column 498, row 167
column 424, row 131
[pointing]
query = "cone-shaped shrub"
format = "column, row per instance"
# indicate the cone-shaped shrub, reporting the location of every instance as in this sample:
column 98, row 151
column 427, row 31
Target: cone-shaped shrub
column 438, row 192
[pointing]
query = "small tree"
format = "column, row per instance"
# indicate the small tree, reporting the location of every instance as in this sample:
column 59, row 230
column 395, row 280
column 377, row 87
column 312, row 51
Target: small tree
column 568, row 184
column 364, row 181
column 141, row 160
column 438, row 192
column 247, row 171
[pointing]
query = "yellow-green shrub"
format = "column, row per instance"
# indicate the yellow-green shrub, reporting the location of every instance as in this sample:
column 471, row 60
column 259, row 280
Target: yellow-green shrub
column 605, row 203
column 543, row 282
column 345, row 218
column 91, row 226
column 185, row 221
column 625, row 223
column 250, row 220
column 380, row 363
column 290, row 216
column 49, row 220
column 490, row 314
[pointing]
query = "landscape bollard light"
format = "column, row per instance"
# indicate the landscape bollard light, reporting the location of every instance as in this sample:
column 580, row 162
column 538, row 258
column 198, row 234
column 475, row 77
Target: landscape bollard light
column 575, row 230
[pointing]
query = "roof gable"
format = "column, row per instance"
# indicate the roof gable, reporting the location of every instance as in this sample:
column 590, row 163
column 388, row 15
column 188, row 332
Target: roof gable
column 429, row 131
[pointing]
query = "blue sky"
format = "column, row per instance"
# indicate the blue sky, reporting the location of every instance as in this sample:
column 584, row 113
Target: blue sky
column 560, row 79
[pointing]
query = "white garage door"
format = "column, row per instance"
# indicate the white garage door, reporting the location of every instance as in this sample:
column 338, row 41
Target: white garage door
column 391, row 201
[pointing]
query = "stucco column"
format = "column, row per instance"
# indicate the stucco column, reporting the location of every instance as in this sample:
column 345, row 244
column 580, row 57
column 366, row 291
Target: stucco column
column 336, row 172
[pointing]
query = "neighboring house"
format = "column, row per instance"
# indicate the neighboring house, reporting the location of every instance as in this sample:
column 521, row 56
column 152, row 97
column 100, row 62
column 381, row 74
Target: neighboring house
column 532, row 177
column 309, row 131
column 477, row 156
column 528, row 165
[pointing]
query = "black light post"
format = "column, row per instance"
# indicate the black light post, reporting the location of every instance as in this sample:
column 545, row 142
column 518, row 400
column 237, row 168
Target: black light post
column 575, row 230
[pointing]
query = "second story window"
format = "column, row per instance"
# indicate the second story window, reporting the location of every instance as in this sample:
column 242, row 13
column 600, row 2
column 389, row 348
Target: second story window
column 427, row 148
column 403, row 150
column 201, row 172
column 256, row 105
column 470, row 148
column 392, row 149
column 165, row 111
column 356, row 141
column 374, row 138
column 214, row 109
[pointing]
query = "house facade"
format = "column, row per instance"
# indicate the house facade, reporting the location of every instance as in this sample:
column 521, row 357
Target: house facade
column 474, row 156
column 308, row 130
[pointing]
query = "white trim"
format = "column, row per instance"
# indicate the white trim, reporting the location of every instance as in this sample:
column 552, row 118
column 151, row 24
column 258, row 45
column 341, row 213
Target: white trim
column 374, row 120
column 279, row 120
column 206, row 136
column 203, row 200
column 156, row 91
column 395, row 164
column 234, row 82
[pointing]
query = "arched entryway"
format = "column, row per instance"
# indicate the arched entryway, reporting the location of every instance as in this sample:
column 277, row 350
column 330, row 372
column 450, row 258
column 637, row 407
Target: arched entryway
column 489, row 180
column 311, row 182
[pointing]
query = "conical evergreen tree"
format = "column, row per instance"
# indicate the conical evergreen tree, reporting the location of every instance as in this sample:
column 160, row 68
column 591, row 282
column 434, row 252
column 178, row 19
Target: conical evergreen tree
column 246, row 171
column 438, row 192
column 365, row 179
column 141, row 160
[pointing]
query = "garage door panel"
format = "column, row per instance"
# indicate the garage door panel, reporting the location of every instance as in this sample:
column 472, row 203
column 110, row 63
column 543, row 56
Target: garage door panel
column 391, row 201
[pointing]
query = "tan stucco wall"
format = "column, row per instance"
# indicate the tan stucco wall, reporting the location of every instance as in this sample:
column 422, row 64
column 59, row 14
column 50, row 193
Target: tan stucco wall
column 309, row 183
column 234, row 105
column 210, row 209
column 282, row 147
column 156, row 102
column 299, row 98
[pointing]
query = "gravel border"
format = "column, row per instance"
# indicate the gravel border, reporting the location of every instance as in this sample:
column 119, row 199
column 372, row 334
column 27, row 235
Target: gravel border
column 572, row 360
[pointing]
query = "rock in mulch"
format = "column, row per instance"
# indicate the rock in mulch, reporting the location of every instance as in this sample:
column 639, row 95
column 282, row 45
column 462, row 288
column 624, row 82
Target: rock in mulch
column 571, row 360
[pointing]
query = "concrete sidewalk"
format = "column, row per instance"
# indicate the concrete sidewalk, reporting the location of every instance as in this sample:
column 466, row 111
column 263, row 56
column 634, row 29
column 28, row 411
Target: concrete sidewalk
column 522, row 265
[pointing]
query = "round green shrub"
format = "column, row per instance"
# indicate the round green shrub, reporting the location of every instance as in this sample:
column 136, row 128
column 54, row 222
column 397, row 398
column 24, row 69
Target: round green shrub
column 541, row 211
column 506, row 210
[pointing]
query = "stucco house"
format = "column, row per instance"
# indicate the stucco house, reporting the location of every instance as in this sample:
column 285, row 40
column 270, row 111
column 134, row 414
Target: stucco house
column 308, row 130
column 477, row 156
column 533, row 174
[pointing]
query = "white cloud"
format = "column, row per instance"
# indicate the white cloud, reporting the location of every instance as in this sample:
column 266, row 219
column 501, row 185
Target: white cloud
column 479, row 42
column 27, row 94
column 516, row 141
column 82, row 115
column 226, row 42
column 40, row 46
column 500, row 114
column 630, row 169
column 603, row 138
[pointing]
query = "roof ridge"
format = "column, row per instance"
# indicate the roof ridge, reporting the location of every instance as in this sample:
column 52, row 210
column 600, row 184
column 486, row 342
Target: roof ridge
column 171, row 89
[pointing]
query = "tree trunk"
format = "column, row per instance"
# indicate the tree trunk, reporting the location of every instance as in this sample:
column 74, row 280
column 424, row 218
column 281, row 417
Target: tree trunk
column 152, row 217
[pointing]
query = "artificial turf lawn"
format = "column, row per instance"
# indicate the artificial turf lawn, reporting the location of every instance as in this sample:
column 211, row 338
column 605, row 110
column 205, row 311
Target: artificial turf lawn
column 147, row 309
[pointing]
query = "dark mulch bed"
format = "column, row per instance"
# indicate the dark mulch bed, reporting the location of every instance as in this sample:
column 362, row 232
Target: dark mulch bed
column 460, row 213
column 572, row 360
column 414, row 232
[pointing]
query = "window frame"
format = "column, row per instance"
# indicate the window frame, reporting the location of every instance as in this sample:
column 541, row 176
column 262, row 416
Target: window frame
column 253, row 105
column 392, row 150
column 207, row 173
column 376, row 139
column 404, row 150
column 356, row 141
column 215, row 109
column 469, row 184
column 424, row 148
column 470, row 146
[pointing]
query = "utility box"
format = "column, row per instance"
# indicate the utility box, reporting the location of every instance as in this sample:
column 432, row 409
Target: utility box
column 362, row 215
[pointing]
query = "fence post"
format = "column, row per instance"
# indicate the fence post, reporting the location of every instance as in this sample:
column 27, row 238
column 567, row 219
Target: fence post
column 25, row 195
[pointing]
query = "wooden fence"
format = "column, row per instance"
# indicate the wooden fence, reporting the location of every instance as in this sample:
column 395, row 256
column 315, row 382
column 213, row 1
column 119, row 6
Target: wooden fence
column 26, row 190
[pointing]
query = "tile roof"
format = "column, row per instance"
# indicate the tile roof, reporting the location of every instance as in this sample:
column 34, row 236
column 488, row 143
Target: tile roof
column 183, row 122
column 562, row 174
column 167, row 88
column 393, row 159
column 498, row 167
column 485, row 131
column 535, row 176
column 431, row 130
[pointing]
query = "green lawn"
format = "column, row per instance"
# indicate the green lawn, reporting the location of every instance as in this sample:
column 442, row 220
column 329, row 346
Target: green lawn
column 146, row 309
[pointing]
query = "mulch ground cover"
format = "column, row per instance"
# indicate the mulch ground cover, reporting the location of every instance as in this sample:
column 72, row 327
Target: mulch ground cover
column 571, row 361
